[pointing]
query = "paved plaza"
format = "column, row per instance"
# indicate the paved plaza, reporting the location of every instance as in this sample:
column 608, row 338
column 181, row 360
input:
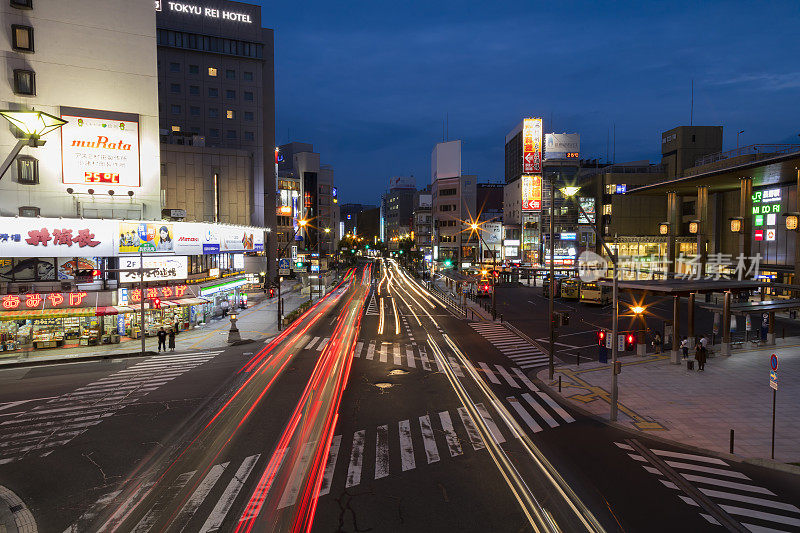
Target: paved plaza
column 699, row 408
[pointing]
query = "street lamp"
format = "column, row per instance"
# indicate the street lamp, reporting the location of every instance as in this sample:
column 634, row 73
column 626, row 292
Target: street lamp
column 614, row 315
column 737, row 139
column 476, row 228
column 33, row 125
column 300, row 223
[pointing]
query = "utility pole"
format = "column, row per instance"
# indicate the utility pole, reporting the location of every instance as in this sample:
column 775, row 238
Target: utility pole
column 141, row 299
column 552, row 287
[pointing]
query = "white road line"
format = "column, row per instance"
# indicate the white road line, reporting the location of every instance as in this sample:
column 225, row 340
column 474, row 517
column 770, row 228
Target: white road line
column 540, row 410
column 359, row 347
column 760, row 529
column 625, row 446
column 555, row 407
column 147, row 521
column 761, row 515
column 289, row 496
column 489, row 374
column 196, row 499
column 453, row 444
column 472, row 431
column 382, row 452
column 323, row 344
column 384, row 352
column 406, row 446
column 356, row 459
column 92, row 511
column 371, row 350
column 750, row 499
column 456, row 367
column 726, row 484
column 312, row 343
column 410, row 357
column 224, row 504
column 524, row 379
column 398, row 360
column 691, row 457
column 507, row 376
column 498, row 437
column 707, row 470
column 330, row 466
column 524, row 414
column 423, row 357
column 428, row 440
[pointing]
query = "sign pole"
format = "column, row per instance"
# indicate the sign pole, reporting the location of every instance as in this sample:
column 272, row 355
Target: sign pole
column 141, row 298
column 772, row 455
column 773, row 383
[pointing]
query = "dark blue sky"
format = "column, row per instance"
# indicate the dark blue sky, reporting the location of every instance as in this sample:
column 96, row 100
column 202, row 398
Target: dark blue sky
column 369, row 83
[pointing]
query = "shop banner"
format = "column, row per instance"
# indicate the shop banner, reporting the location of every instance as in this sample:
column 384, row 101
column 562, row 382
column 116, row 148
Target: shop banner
column 134, row 296
column 164, row 268
column 55, row 237
column 55, row 300
column 145, row 237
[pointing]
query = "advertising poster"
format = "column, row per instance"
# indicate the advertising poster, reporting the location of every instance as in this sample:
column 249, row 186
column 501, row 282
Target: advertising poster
column 100, row 151
column 68, row 266
column 531, row 193
column 588, row 207
column 27, row 269
column 532, row 145
column 146, row 237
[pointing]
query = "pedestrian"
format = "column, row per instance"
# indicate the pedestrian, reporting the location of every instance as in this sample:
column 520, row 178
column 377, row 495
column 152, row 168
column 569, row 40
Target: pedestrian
column 177, row 323
column 704, row 342
column 162, row 339
column 685, row 347
column 171, row 340
column 657, row 342
column 224, row 305
column 700, row 355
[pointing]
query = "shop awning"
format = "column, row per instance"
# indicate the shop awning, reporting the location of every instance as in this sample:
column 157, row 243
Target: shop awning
column 114, row 310
column 33, row 314
column 191, row 301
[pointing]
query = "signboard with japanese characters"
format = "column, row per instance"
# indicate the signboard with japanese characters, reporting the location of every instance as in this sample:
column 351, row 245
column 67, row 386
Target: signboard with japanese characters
column 531, row 193
column 532, row 146
column 156, row 268
column 54, row 300
column 53, row 237
column 134, row 295
column 135, row 237
column 100, row 151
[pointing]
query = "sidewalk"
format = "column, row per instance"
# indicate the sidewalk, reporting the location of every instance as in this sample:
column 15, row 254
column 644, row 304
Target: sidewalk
column 257, row 322
column 475, row 308
column 699, row 408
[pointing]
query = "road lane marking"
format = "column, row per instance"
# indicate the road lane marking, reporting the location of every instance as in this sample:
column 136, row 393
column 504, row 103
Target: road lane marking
column 540, row 410
column 359, row 347
column 149, row 519
column 312, row 343
column 489, row 374
column 330, row 467
column 524, row 379
column 356, row 459
column 487, row 418
column 507, row 376
column 692, row 457
column 224, row 504
column 289, row 496
column 472, row 431
column 526, row 417
column 199, row 495
column 423, row 357
column 382, row 452
column 371, row 350
column 555, row 407
column 428, row 440
column 410, row 357
column 396, row 352
column 407, row 461
column 453, row 443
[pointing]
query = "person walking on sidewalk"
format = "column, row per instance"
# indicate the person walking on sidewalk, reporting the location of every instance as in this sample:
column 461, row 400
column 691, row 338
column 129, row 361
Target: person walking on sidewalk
column 162, row 339
column 171, row 340
column 685, row 347
column 704, row 343
column 700, row 355
column 657, row 342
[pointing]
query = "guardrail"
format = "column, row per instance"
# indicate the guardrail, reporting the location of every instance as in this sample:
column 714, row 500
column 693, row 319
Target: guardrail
column 750, row 149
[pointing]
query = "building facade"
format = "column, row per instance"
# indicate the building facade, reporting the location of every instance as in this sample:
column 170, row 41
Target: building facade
column 398, row 205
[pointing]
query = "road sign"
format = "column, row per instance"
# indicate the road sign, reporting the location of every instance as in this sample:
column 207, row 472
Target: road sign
column 284, row 263
column 294, row 252
column 620, row 343
column 608, row 340
column 773, row 362
column 773, row 379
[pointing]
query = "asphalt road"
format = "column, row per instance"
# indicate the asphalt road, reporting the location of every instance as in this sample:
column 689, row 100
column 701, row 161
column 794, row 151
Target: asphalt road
column 398, row 413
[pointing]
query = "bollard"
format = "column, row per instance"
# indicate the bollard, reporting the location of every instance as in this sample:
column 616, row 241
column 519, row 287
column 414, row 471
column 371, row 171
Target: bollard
column 559, row 383
column 731, row 442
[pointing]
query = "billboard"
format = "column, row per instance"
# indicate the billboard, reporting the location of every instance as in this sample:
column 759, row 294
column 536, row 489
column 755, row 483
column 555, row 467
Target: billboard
column 588, row 207
column 402, row 182
column 531, row 193
column 54, row 237
column 492, row 232
column 100, row 151
column 446, row 160
column 532, row 145
column 562, row 146
column 163, row 268
column 146, row 237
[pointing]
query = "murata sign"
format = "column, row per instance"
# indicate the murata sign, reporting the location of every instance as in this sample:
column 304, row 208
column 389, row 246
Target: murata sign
column 98, row 151
column 202, row 11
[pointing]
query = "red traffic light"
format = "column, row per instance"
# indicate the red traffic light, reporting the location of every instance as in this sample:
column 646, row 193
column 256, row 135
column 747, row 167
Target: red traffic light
column 601, row 337
column 96, row 273
column 630, row 341
column 271, row 292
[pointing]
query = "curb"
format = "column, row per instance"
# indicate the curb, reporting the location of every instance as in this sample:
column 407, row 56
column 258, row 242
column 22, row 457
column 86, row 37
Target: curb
column 756, row 461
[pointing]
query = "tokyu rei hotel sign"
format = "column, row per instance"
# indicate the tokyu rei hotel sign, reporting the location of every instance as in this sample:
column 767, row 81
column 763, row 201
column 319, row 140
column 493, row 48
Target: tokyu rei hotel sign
column 208, row 12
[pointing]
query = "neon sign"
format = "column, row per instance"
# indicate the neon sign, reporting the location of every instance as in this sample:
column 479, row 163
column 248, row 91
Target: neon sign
column 39, row 300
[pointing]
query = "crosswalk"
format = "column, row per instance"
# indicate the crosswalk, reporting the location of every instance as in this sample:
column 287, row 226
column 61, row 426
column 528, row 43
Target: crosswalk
column 315, row 343
column 47, row 426
column 372, row 308
column 511, row 345
column 757, row 508
column 354, row 459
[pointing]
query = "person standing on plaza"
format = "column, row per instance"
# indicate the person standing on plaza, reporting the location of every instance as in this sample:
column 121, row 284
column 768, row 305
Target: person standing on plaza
column 704, row 342
column 162, row 339
column 657, row 342
column 171, row 340
column 700, row 355
column 685, row 347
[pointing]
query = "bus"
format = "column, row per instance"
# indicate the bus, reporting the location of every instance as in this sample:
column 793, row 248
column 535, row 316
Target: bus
column 594, row 293
column 546, row 286
column 571, row 289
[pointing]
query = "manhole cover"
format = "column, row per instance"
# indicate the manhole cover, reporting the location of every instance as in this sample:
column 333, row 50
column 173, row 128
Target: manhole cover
column 398, row 372
column 383, row 385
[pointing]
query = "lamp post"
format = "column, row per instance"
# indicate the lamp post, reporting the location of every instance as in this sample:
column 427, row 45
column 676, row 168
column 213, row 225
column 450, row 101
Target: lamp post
column 476, row 228
column 737, row 139
column 570, row 192
column 300, row 224
column 32, row 124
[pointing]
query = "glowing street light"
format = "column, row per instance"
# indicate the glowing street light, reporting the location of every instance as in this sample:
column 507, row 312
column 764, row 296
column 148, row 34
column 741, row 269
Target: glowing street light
column 570, row 191
column 32, row 124
column 637, row 309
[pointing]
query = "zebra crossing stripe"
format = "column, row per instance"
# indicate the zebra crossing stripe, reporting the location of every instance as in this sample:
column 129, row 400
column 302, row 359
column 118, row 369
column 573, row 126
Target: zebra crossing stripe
column 199, row 495
column 93, row 511
column 524, row 379
column 371, row 350
column 526, row 417
column 472, row 431
column 289, row 495
column 498, row 437
column 423, row 357
column 453, row 444
column 507, row 376
column 330, row 466
column 555, row 407
column 382, row 452
column 356, row 459
column 323, row 344
column 707, row 470
column 489, row 374
column 396, row 352
column 312, row 343
column 384, row 352
column 678, row 455
column 223, row 506
column 410, row 357
column 357, row 351
column 540, row 410
column 149, row 519
column 456, row 367
column 407, row 461
column 431, row 450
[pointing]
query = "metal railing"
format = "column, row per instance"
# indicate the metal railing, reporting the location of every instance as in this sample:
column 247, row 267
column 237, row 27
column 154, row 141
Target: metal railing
column 751, row 149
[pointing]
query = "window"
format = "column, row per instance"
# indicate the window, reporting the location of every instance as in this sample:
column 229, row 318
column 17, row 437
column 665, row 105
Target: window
column 230, row 94
column 230, row 134
column 194, row 89
column 24, row 82
column 212, row 72
column 22, row 4
column 230, row 113
column 447, row 192
column 28, row 211
column 230, row 74
column 175, row 109
column 249, row 136
column 174, row 87
column 194, row 110
column 248, row 115
column 195, row 130
column 22, row 38
column 607, row 209
column 213, row 132
column 194, row 69
column 248, row 95
column 248, row 76
column 174, row 67
column 213, row 92
column 176, row 128
column 27, row 170
column 213, row 112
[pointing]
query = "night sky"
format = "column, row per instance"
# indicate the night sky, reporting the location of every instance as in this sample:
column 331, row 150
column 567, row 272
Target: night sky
column 369, row 83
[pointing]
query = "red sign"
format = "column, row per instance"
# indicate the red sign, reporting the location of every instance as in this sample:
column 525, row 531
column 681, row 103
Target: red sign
column 61, row 237
column 38, row 300
column 759, row 235
column 531, row 193
column 176, row 291
column 532, row 145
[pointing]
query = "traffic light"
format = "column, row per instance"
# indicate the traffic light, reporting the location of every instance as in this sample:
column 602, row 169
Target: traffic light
column 272, row 292
column 630, row 342
column 601, row 338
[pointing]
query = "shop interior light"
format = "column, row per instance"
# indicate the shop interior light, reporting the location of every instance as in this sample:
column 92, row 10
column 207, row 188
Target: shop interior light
column 663, row 228
column 694, row 226
column 792, row 220
column 737, row 224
